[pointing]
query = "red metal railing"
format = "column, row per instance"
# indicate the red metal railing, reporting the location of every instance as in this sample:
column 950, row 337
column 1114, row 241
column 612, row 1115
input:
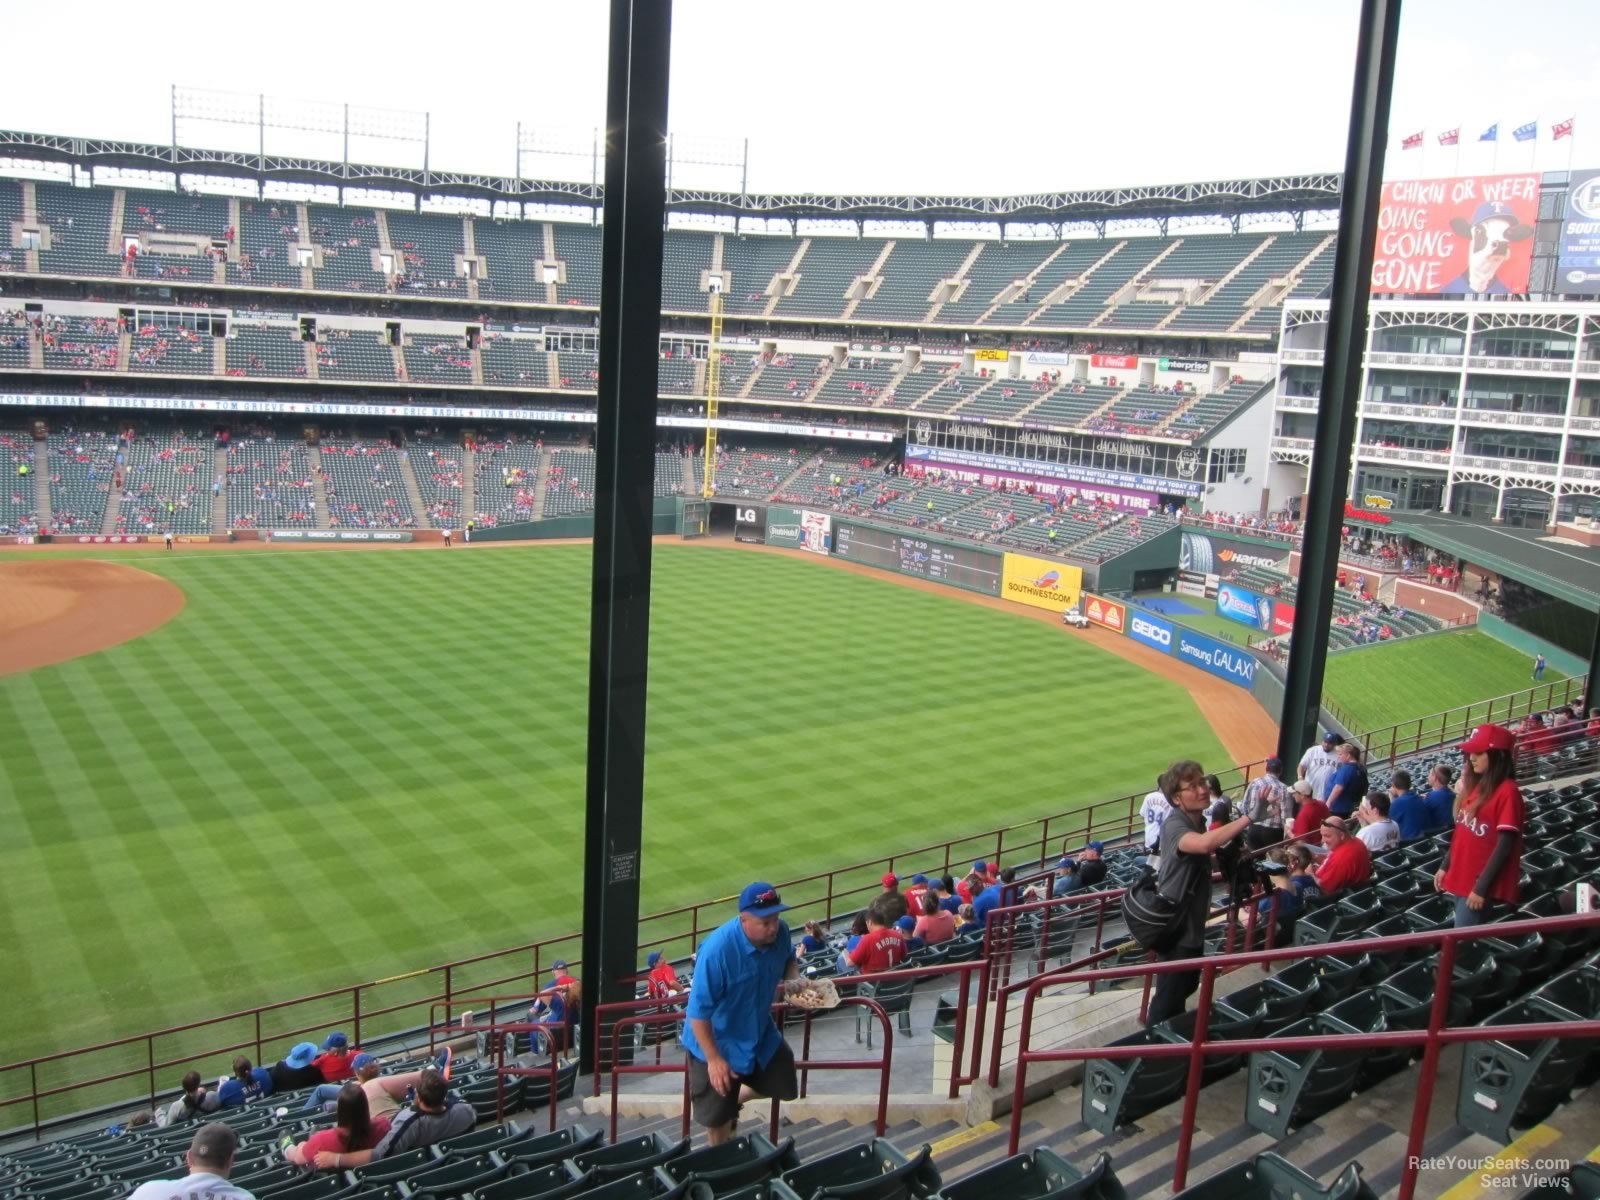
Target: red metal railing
column 556, row 1035
column 1437, row 1034
column 1394, row 742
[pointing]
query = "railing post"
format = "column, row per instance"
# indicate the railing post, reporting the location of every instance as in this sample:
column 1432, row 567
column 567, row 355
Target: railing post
column 150, row 1066
column 355, row 1019
column 258, row 1037
column 958, row 1039
column 1197, row 1062
column 33, row 1088
column 1437, row 1016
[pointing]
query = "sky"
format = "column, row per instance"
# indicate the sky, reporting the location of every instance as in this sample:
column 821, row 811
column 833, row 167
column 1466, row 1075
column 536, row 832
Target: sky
column 860, row 96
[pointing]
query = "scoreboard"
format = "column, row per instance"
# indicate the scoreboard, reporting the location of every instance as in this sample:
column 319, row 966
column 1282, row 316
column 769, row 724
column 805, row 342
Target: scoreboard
column 908, row 554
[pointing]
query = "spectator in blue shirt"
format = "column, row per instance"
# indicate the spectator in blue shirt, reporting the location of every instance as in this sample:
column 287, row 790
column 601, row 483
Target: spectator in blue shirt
column 1349, row 786
column 907, row 925
column 735, row 1049
column 1440, row 802
column 815, row 940
column 1292, row 899
column 858, row 930
column 247, row 1083
column 986, row 901
column 1406, row 808
column 948, row 900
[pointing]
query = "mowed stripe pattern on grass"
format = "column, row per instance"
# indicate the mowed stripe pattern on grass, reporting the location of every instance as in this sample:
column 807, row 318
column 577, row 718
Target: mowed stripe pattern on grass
column 334, row 767
column 1383, row 685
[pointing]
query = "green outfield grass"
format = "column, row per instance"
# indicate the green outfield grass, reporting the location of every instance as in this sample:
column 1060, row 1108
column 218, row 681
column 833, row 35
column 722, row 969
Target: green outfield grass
column 1379, row 686
column 334, row 767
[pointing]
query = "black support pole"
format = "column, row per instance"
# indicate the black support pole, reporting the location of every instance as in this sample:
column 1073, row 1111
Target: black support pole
column 1591, row 687
column 625, row 439
column 1341, row 374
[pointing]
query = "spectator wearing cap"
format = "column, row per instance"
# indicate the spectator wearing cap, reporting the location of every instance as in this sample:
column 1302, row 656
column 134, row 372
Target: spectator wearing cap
column 295, row 1070
column 1440, row 802
column 1349, row 782
column 662, row 981
column 735, row 1049
column 210, row 1160
column 945, row 889
column 1268, row 804
column 1318, row 764
column 1483, row 867
column 334, row 1061
column 936, row 924
column 906, row 927
column 1309, row 814
column 1407, row 810
column 1348, row 864
column 384, row 1092
column 434, row 1115
column 915, row 893
column 245, row 1084
column 977, row 878
column 1086, row 869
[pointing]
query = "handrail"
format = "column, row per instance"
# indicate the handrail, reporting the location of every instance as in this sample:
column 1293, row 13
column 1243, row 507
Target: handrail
column 498, row 1044
column 1437, row 1034
column 1393, row 742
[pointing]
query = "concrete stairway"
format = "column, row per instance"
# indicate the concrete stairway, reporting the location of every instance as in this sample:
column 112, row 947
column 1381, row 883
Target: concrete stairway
column 43, row 513
column 414, row 492
column 960, row 273
column 113, row 510
column 302, row 216
column 119, row 206
column 219, row 502
column 1066, row 290
column 791, row 269
column 319, row 486
column 541, row 479
column 1028, row 280
column 469, row 485
column 1219, row 285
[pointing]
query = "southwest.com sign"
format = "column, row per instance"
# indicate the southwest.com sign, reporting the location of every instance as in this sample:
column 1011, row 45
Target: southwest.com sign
column 1039, row 583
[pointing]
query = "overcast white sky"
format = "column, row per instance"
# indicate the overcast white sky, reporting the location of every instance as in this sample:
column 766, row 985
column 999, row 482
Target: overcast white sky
column 863, row 95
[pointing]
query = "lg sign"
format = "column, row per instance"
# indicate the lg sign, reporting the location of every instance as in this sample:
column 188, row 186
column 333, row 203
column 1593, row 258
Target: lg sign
column 1151, row 633
column 745, row 516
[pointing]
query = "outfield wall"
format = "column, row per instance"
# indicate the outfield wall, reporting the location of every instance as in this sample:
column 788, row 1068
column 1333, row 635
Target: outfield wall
column 664, row 519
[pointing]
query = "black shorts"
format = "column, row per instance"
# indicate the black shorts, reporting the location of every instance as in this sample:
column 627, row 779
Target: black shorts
column 712, row 1109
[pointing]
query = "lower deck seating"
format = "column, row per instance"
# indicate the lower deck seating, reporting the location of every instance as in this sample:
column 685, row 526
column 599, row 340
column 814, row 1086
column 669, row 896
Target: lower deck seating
column 167, row 484
column 18, row 504
column 569, row 483
column 507, row 479
column 436, row 463
column 269, row 484
column 82, row 466
column 754, row 474
column 364, row 484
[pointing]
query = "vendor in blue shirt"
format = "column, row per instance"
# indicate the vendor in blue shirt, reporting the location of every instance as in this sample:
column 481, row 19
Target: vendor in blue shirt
column 1405, row 807
column 735, row 1049
column 1440, row 802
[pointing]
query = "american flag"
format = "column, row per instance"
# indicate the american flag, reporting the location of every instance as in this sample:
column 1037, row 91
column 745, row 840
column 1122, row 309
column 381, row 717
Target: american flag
column 1450, row 137
column 1412, row 142
column 1561, row 129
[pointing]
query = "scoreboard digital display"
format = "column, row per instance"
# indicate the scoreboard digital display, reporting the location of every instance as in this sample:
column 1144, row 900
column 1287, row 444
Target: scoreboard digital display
column 912, row 555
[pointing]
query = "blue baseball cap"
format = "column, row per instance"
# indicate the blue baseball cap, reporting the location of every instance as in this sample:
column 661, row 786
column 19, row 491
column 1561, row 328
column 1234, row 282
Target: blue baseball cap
column 653, row 958
column 919, row 879
column 362, row 1060
column 980, row 865
column 1097, row 846
column 335, row 1041
column 301, row 1055
column 761, row 900
column 907, row 923
column 1064, row 865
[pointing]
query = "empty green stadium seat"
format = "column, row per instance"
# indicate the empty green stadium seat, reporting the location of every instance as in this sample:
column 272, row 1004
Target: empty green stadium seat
column 1288, row 1088
column 625, row 1158
column 1119, row 1090
column 314, row 1187
column 567, row 1142
column 874, row 1170
column 1279, row 999
column 1517, row 1084
column 895, row 1000
column 554, row 1181
column 736, row 1163
column 455, row 1176
column 1225, row 1023
column 396, row 1166
column 1271, row 1177
column 1039, row 1175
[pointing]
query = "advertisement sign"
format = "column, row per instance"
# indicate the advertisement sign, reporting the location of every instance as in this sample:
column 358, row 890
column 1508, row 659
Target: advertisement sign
column 1198, row 583
column 1106, row 613
column 1206, row 552
column 947, row 460
column 1380, row 501
column 1049, row 358
column 1139, row 502
column 1232, row 663
column 1150, row 630
column 100, row 539
column 1578, row 261
column 1188, row 366
column 342, row 535
column 750, row 523
column 783, row 528
column 1244, row 606
column 1039, row 583
column 1282, row 617
column 991, row 355
column 1452, row 237
column 1115, row 362
column 816, row 531
column 1352, row 513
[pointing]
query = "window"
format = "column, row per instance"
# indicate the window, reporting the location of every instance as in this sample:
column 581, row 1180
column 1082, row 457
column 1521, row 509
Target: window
column 1225, row 463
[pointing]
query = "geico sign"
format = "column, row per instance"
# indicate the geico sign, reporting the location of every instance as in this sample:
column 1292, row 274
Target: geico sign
column 1155, row 633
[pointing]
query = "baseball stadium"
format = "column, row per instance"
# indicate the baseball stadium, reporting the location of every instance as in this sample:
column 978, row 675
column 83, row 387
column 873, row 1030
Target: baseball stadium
column 429, row 599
